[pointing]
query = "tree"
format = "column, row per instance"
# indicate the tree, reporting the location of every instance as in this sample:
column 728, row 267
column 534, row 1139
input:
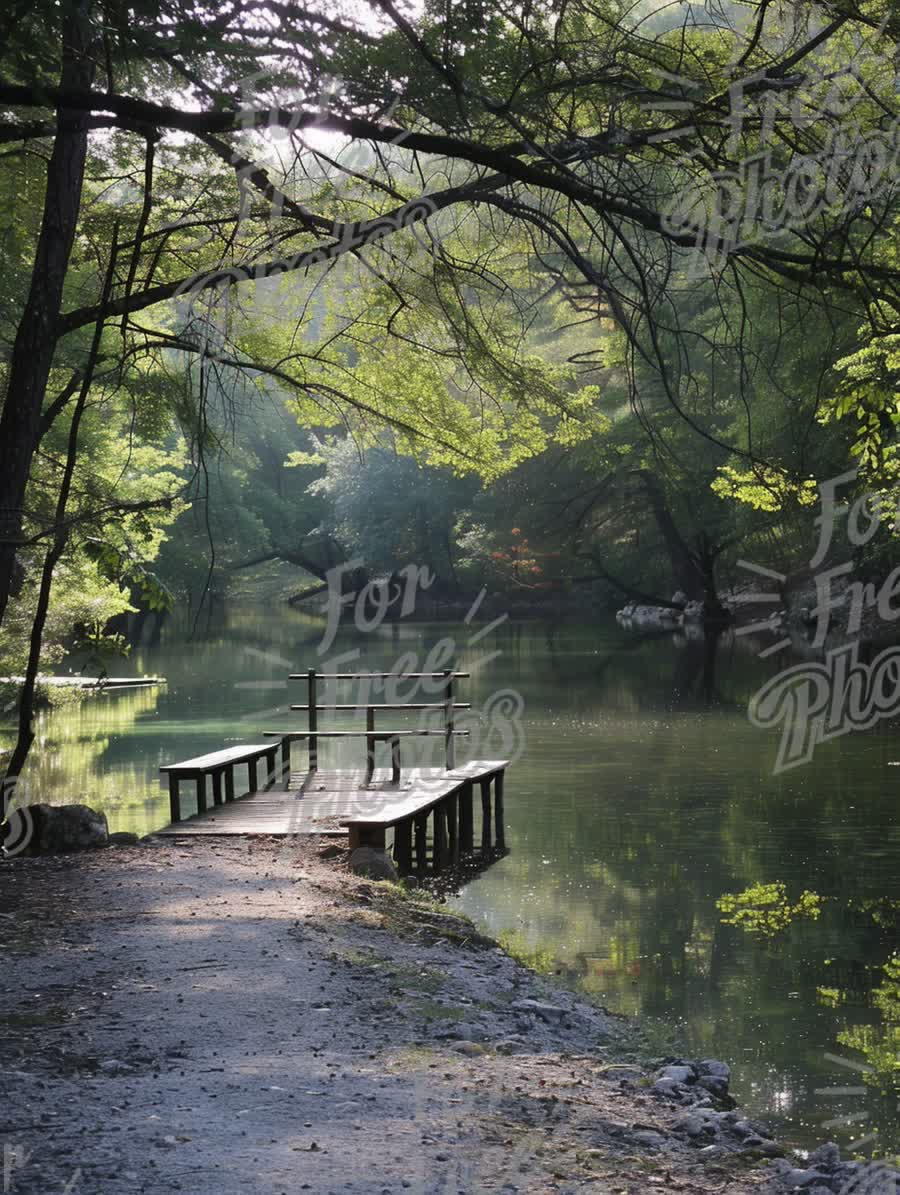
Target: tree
column 567, row 144
column 384, row 263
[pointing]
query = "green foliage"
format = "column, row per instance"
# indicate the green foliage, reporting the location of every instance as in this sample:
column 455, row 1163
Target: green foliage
column 534, row 958
column 880, row 1044
column 765, row 911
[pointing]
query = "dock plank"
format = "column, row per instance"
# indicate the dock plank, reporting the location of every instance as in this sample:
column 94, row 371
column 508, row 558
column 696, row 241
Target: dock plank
column 319, row 801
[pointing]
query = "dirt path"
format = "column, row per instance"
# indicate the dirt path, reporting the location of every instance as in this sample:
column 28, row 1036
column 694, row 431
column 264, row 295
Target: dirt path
column 243, row 1016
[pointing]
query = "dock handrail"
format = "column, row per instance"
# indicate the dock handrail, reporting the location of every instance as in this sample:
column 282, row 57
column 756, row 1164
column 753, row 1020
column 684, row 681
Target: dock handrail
column 312, row 707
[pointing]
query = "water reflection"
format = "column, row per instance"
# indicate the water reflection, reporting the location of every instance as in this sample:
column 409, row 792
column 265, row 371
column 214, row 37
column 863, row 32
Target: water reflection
column 644, row 795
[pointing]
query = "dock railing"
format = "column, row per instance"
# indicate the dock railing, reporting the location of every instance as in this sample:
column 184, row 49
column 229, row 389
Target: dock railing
column 372, row 734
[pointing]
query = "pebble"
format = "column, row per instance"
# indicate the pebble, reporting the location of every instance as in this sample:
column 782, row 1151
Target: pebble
column 550, row 1013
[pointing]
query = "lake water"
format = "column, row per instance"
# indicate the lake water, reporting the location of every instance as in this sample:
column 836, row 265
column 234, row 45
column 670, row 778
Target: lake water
column 643, row 795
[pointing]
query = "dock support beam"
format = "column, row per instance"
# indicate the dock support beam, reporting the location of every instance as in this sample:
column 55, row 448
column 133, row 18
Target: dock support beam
column 174, row 799
column 499, row 824
column 439, row 846
column 421, row 824
column 466, row 820
column 403, row 847
column 452, row 810
column 271, row 774
column 487, row 841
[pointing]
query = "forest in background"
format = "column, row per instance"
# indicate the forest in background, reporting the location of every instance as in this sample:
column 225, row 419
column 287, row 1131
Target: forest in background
column 489, row 290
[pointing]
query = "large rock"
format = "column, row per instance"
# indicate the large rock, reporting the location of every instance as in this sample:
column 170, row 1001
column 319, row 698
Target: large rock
column 657, row 617
column 367, row 861
column 60, row 828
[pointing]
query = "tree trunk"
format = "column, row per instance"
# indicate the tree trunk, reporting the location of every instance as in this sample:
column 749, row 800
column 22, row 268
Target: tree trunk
column 686, row 575
column 57, row 547
column 35, row 341
column 714, row 613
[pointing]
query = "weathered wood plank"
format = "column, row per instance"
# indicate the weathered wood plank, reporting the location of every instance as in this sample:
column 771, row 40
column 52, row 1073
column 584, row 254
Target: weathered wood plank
column 214, row 759
column 403, row 705
column 375, row 675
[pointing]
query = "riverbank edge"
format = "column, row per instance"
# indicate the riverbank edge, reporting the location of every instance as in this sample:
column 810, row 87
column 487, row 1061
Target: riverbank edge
column 462, row 1002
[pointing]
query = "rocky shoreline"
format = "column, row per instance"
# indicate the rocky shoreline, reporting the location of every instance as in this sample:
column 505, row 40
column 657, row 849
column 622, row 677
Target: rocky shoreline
column 248, row 1015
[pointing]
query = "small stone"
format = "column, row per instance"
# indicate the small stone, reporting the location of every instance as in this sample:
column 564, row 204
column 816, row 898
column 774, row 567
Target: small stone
column 826, row 1156
column 113, row 1066
column 799, row 1180
column 714, row 1085
column 511, row 1045
column 649, row 1138
column 681, row 1074
column 712, row 1066
column 471, row 1049
column 697, row 1126
column 547, row 1012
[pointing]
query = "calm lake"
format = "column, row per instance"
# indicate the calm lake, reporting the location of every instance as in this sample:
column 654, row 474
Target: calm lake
column 643, row 795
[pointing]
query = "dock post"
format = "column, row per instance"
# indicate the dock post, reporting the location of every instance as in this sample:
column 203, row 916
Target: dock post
column 370, row 744
column 313, row 721
column 229, row 783
column 486, row 836
column 217, row 788
column 286, row 761
column 452, row 808
column 499, row 827
column 439, row 847
column 252, row 778
column 421, row 824
column 174, row 799
column 403, row 846
column 201, row 794
column 449, row 741
column 271, row 774
column 466, row 820
column 395, row 761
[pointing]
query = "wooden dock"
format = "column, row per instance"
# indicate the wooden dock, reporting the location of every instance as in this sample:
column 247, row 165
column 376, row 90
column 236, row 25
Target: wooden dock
column 430, row 811
column 89, row 682
column 335, row 802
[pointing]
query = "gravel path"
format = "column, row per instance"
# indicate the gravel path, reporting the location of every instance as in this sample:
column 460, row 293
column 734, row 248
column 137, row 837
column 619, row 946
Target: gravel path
column 246, row 1016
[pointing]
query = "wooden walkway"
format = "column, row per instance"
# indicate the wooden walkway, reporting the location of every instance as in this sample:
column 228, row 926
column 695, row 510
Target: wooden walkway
column 89, row 682
column 323, row 802
column 364, row 804
column 319, row 801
